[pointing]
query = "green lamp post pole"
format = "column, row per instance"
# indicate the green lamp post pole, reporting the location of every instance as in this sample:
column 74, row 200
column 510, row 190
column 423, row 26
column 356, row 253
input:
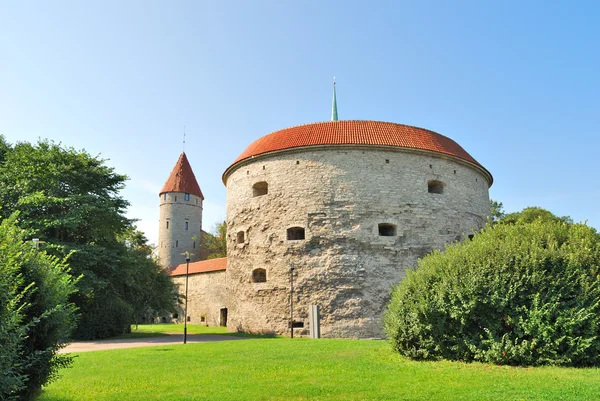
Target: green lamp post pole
column 292, row 300
column 187, row 269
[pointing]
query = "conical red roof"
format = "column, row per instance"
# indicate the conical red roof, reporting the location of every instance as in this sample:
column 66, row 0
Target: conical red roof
column 182, row 179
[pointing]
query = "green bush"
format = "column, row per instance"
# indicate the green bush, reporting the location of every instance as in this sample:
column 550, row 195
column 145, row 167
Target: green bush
column 36, row 317
column 518, row 294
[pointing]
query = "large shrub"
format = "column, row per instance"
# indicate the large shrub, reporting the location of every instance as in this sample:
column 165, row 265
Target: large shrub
column 519, row 294
column 36, row 317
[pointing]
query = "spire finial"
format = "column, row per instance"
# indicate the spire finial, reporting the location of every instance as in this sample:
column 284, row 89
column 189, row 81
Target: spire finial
column 334, row 114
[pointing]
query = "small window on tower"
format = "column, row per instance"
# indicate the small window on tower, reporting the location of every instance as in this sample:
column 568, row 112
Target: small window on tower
column 259, row 276
column 175, row 198
column 435, row 187
column 260, row 188
column 176, row 244
column 295, row 233
column 187, row 197
column 240, row 237
column 186, row 225
column 387, row 230
column 167, row 225
column 166, row 196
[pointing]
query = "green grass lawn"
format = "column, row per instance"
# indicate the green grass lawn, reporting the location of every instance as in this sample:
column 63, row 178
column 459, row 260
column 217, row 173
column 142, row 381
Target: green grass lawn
column 177, row 328
column 304, row 369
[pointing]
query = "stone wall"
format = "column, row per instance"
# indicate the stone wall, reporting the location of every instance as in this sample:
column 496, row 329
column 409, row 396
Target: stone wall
column 207, row 295
column 340, row 195
column 177, row 238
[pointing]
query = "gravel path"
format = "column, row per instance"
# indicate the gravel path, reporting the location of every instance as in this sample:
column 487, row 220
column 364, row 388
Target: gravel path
column 84, row 346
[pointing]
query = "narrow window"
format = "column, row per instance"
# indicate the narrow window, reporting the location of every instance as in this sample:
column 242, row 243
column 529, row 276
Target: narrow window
column 187, row 197
column 387, row 230
column 186, row 225
column 166, row 196
column 260, row 188
column 176, row 244
column 175, row 198
column 387, row 161
column 167, row 225
column 295, row 233
column 240, row 237
column 194, row 244
column 259, row 276
column 435, row 187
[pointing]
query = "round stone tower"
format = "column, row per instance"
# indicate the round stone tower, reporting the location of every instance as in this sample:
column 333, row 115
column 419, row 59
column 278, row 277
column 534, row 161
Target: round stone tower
column 350, row 205
column 180, row 222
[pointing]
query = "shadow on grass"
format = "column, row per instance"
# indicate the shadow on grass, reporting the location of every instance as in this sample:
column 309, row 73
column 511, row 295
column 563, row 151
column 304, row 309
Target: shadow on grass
column 137, row 335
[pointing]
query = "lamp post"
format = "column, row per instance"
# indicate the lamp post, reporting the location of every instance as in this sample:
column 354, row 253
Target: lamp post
column 292, row 300
column 187, row 269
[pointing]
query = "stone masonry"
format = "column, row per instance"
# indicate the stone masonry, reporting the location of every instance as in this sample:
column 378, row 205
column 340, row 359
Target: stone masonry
column 340, row 195
column 180, row 228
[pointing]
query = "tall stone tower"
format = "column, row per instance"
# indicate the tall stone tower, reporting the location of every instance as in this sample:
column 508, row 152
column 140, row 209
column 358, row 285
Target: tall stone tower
column 180, row 224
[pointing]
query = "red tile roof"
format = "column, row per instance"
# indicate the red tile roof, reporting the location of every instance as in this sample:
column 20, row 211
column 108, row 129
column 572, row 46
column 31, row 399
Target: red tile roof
column 352, row 132
column 182, row 179
column 203, row 266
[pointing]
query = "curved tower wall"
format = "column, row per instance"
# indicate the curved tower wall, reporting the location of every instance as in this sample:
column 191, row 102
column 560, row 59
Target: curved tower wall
column 178, row 238
column 340, row 195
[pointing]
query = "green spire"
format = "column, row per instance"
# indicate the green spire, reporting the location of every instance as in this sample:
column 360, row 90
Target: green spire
column 334, row 116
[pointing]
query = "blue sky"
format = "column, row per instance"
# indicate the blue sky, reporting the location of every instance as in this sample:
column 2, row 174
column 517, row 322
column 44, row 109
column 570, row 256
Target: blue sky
column 515, row 83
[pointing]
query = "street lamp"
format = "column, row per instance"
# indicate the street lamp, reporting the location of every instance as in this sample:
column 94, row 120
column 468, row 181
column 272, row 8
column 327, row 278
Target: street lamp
column 292, row 300
column 187, row 269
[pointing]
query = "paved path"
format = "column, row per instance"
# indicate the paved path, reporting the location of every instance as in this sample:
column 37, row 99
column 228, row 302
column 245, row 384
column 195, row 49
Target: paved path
column 83, row 346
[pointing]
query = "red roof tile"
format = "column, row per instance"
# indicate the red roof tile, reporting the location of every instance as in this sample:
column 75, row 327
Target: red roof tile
column 203, row 266
column 352, row 132
column 182, row 179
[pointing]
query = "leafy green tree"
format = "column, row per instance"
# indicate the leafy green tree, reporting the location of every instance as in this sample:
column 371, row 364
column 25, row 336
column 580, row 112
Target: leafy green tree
column 496, row 211
column 521, row 293
column 215, row 243
column 152, row 291
column 36, row 317
column 531, row 214
column 70, row 200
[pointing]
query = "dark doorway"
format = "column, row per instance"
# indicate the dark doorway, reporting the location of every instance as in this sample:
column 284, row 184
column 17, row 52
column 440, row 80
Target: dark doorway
column 223, row 320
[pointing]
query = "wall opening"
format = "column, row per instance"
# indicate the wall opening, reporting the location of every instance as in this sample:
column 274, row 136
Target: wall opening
column 295, row 233
column 223, row 317
column 186, row 225
column 259, row 276
column 187, row 197
column 435, row 187
column 387, row 230
column 260, row 188
column 167, row 224
column 241, row 237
